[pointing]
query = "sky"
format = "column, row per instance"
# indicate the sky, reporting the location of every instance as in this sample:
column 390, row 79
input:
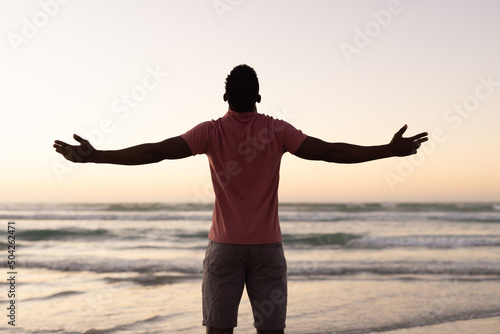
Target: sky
column 126, row 72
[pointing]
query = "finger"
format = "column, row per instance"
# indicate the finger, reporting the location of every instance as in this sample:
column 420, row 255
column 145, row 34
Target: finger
column 80, row 139
column 420, row 135
column 67, row 151
column 402, row 130
column 63, row 150
column 61, row 143
column 421, row 140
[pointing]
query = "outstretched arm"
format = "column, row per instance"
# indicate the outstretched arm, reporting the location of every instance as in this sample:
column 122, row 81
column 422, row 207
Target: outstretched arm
column 172, row 148
column 316, row 149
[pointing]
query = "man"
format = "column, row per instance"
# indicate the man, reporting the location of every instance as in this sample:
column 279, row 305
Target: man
column 244, row 150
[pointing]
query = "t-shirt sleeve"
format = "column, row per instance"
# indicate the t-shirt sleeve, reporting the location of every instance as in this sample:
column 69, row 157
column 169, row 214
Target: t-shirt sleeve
column 198, row 138
column 292, row 137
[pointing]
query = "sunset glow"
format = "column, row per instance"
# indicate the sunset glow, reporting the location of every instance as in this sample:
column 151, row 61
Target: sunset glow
column 125, row 73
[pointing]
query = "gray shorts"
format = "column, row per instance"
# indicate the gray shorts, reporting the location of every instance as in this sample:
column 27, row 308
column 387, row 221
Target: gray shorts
column 227, row 268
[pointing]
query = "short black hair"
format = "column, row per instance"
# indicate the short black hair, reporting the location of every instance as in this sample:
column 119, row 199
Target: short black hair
column 242, row 88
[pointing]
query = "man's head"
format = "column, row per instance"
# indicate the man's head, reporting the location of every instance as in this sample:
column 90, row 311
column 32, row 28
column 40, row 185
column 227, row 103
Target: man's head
column 242, row 89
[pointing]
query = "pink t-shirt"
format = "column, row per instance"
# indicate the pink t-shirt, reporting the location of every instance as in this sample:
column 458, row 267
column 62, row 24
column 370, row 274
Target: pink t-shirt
column 244, row 152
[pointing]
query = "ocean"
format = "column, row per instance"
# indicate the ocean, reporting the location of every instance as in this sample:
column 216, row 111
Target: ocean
column 352, row 268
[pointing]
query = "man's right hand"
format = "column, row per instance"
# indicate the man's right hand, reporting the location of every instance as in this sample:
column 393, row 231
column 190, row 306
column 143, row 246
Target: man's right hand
column 76, row 153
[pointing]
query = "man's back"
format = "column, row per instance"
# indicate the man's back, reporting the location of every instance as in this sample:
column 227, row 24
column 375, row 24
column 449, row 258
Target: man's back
column 244, row 152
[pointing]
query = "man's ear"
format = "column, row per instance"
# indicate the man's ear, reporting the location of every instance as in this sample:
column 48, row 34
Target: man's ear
column 258, row 98
column 225, row 97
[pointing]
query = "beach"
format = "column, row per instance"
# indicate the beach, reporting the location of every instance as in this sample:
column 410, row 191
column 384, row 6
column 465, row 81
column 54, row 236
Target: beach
column 352, row 268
